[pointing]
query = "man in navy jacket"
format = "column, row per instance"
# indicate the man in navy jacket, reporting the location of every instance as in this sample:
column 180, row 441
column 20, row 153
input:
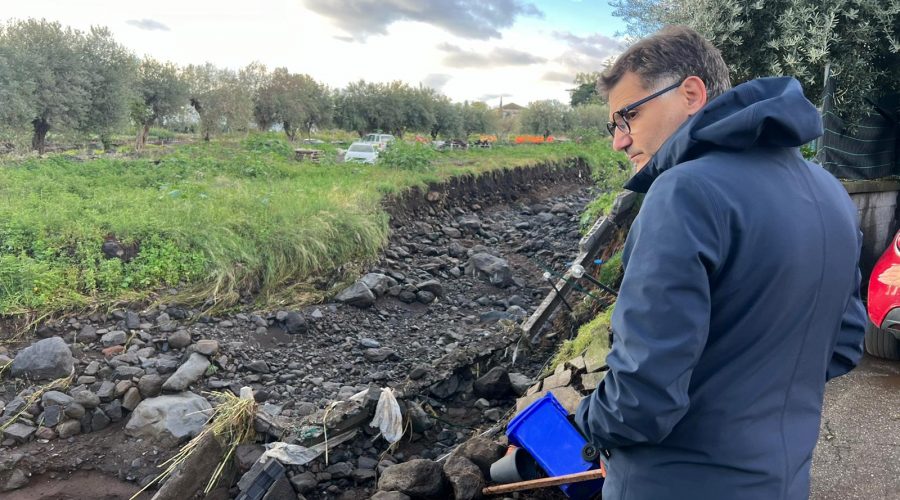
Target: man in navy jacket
column 741, row 289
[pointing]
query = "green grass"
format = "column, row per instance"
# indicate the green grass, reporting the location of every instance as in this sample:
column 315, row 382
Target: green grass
column 216, row 220
column 592, row 340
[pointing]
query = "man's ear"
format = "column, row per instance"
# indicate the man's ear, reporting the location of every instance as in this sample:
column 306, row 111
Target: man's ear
column 693, row 90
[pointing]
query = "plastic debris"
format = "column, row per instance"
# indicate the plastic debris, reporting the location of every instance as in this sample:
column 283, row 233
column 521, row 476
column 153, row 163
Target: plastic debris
column 388, row 418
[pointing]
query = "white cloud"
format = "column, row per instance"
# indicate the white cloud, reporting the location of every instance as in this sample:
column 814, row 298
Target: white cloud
column 233, row 33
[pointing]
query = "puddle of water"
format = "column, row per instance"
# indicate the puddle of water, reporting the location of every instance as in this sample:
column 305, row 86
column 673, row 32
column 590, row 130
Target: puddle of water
column 274, row 337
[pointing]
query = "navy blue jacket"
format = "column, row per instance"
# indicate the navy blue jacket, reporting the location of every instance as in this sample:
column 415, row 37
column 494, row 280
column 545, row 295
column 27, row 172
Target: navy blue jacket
column 740, row 299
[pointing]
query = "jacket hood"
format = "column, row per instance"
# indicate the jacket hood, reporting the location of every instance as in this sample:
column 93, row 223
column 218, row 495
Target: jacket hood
column 762, row 113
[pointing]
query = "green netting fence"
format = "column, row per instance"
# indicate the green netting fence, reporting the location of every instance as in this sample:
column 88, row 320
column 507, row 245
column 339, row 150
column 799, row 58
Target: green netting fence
column 867, row 150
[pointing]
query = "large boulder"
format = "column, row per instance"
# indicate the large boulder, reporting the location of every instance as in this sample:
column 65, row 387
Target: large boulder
column 187, row 373
column 416, row 478
column 46, row 359
column 169, row 419
column 495, row 384
column 464, row 476
column 358, row 295
column 494, row 268
column 378, row 283
column 482, row 452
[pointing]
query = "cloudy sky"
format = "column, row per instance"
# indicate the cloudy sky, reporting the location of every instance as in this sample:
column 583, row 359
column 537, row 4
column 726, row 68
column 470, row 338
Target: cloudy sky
column 523, row 50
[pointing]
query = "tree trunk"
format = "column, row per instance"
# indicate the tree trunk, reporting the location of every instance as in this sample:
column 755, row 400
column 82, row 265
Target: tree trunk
column 106, row 140
column 289, row 131
column 39, row 139
column 142, row 135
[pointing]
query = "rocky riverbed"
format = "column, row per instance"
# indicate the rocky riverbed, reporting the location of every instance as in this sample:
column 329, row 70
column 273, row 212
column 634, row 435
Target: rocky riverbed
column 430, row 319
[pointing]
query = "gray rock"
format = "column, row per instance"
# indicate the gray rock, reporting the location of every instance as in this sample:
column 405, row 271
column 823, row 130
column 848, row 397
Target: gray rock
column 113, row 410
column 87, row 398
column 115, row 337
column 17, row 479
column 456, row 249
column 470, row 222
column 482, row 452
column 169, row 419
column 46, row 359
column 560, row 378
column 295, row 323
column 51, row 416
column 378, row 283
column 305, row 482
column 419, row 419
column 363, row 475
column 446, row 387
column 187, row 373
column 166, row 364
column 340, row 470
column 425, row 297
column 150, row 385
column 107, row 391
column 494, row 268
column 417, row 478
column 206, row 347
column 99, row 420
column 432, row 286
column 45, row 433
column 87, row 334
column 74, row 410
column 126, row 372
column 369, row 343
column 379, row 354
column 465, row 478
column 68, row 429
column 179, row 339
column 389, row 495
column 132, row 320
column 516, row 313
column 358, row 295
column 520, row 383
column 55, row 398
column 258, row 366
column 131, row 399
column 14, row 407
column 495, row 384
column 246, row 455
column 19, row 432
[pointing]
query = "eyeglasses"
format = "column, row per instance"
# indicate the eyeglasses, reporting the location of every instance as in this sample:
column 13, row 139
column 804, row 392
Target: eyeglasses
column 626, row 114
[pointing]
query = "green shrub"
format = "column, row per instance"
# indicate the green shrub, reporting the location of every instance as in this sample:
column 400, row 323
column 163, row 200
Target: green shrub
column 405, row 156
column 269, row 143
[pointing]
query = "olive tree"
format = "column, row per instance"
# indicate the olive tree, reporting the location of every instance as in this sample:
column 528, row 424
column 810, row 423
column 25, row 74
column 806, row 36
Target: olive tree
column 859, row 40
column 296, row 101
column 160, row 92
column 110, row 72
column 544, row 117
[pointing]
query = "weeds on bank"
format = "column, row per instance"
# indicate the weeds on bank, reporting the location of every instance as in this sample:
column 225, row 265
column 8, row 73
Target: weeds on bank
column 216, row 220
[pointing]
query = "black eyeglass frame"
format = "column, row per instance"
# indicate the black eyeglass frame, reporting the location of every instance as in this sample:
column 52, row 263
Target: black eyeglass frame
column 626, row 127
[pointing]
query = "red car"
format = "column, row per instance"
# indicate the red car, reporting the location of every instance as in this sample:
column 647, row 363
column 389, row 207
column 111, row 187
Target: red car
column 883, row 333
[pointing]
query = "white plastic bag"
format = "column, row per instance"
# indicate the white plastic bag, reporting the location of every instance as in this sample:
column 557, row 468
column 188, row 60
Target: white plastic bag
column 387, row 416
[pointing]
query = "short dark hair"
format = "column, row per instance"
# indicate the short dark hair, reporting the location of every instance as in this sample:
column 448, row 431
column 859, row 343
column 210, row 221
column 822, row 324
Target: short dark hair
column 671, row 54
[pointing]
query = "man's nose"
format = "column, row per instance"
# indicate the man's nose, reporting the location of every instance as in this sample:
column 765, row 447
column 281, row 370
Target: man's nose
column 621, row 140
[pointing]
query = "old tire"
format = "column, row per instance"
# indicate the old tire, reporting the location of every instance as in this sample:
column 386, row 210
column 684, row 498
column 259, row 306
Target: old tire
column 882, row 343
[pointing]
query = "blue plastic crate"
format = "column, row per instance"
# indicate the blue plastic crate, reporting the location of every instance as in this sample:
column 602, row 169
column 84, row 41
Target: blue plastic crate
column 544, row 431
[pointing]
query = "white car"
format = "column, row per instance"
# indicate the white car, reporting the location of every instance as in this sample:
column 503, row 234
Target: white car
column 380, row 140
column 362, row 152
